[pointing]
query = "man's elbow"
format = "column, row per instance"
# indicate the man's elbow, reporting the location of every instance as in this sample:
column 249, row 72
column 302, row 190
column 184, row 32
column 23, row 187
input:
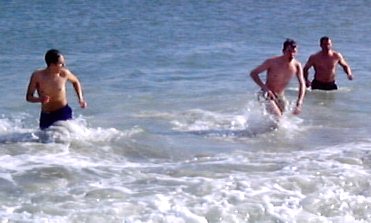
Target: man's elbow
column 305, row 70
column 76, row 84
column 29, row 97
column 253, row 74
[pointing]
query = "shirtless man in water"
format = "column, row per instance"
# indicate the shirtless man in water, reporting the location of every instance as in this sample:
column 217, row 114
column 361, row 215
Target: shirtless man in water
column 50, row 85
column 280, row 70
column 324, row 63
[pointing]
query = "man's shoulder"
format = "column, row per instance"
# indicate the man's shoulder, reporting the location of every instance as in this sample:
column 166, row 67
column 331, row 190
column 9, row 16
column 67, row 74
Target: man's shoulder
column 337, row 54
column 297, row 62
column 65, row 73
column 315, row 55
column 273, row 59
column 38, row 72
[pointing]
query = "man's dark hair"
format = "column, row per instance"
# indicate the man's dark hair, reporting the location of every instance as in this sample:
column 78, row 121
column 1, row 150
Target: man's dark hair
column 289, row 42
column 324, row 38
column 52, row 56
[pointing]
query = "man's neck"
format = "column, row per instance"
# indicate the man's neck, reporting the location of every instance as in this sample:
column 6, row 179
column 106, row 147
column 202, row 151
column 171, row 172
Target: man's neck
column 326, row 52
column 287, row 58
column 49, row 71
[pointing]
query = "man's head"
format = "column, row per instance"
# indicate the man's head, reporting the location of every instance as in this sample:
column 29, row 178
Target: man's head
column 289, row 43
column 55, row 57
column 325, row 43
column 289, row 47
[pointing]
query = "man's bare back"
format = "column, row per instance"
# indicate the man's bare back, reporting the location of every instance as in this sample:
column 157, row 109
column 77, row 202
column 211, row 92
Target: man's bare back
column 51, row 87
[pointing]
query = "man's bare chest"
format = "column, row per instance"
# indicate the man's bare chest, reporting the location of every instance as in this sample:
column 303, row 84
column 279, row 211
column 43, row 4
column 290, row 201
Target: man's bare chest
column 51, row 84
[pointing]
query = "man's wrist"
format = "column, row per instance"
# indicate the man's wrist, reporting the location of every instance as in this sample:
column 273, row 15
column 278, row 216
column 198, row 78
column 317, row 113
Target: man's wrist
column 265, row 89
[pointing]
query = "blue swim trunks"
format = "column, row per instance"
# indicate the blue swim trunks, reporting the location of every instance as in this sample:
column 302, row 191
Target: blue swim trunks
column 323, row 86
column 49, row 118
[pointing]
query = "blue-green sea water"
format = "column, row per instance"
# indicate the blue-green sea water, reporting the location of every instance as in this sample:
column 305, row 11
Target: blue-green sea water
column 173, row 131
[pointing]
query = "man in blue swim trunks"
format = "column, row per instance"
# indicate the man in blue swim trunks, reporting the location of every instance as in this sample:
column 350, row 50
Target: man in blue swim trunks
column 324, row 63
column 50, row 85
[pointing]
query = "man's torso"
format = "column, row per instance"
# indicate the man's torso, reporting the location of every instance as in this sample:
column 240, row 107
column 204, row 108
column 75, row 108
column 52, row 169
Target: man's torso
column 280, row 73
column 325, row 67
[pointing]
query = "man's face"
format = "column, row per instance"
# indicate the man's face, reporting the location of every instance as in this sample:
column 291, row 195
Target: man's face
column 326, row 45
column 291, row 51
column 60, row 64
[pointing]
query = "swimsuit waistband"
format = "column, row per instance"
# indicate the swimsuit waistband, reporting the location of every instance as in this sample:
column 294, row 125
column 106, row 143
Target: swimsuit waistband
column 321, row 82
column 56, row 111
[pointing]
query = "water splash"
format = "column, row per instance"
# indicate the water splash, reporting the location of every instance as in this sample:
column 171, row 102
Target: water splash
column 13, row 131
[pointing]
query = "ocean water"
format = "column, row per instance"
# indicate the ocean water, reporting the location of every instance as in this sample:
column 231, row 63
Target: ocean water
column 173, row 131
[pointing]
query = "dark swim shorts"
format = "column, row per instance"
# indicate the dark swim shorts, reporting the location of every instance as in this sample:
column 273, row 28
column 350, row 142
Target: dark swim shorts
column 328, row 86
column 49, row 118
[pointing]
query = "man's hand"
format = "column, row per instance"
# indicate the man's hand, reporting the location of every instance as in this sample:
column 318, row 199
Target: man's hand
column 297, row 110
column 44, row 99
column 83, row 104
column 308, row 83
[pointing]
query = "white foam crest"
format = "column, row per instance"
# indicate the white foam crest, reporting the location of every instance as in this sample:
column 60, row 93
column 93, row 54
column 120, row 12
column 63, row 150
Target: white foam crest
column 7, row 176
column 199, row 120
column 310, row 184
column 13, row 130
column 250, row 121
column 12, row 124
column 176, row 210
column 77, row 130
column 303, row 186
column 62, row 158
column 154, row 114
column 5, row 125
column 290, row 126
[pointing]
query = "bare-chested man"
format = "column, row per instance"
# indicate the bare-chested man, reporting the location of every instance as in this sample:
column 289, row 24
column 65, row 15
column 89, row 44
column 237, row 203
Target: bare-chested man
column 280, row 70
column 324, row 63
column 50, row 85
